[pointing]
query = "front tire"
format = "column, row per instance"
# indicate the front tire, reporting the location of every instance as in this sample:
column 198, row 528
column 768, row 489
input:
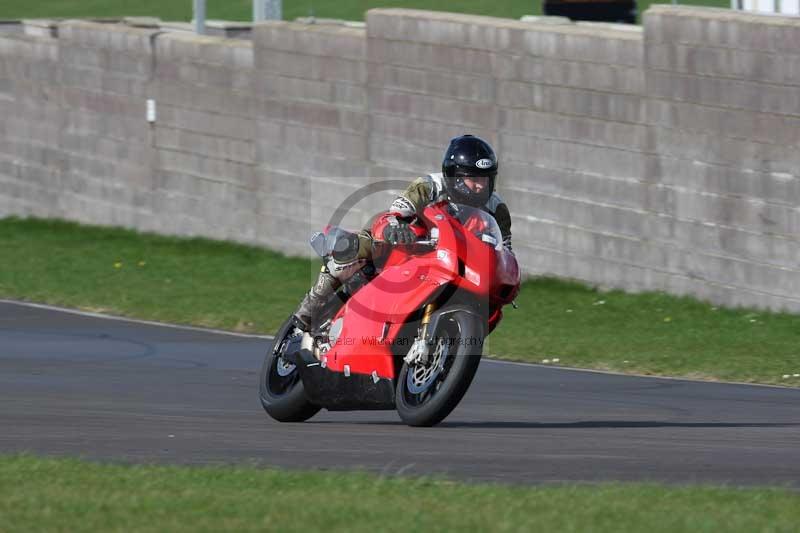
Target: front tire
column 426, row 394
column 280, row 387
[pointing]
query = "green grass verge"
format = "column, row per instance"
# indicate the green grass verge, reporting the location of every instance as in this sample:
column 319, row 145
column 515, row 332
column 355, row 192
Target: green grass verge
column 242, row 9
column 242, row 288
column 70, row 495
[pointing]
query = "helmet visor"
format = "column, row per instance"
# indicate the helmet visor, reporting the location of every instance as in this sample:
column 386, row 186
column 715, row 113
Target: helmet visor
column 476, row 184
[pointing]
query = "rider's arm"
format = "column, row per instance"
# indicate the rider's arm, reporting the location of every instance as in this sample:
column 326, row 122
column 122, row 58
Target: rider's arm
column 414, row 199
column 503, row 217
column 406, row 207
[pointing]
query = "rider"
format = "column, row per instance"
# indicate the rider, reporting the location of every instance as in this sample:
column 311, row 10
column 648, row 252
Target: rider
column 468, row 176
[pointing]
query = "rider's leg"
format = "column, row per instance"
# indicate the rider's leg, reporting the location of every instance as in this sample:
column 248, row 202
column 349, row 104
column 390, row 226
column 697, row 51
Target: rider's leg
column 348, row 257
column 325, row 286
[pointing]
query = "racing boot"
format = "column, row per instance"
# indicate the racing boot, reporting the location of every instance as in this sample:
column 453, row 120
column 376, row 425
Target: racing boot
column 325, row 286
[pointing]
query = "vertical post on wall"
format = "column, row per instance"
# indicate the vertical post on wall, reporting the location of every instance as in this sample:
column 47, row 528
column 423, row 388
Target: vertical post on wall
column 267, row 10
column 200, row 16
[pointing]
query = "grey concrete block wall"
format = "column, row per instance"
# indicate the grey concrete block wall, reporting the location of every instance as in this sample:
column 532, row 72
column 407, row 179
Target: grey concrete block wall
column 312, row 126
column 662, row 159
column 722, row 114
column 30, row 158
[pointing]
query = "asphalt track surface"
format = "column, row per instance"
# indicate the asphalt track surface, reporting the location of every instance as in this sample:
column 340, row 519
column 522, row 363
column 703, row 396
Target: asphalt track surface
column 73, row 385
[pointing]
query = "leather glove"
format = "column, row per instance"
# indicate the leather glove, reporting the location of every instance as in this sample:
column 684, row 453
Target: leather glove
column 399, row 232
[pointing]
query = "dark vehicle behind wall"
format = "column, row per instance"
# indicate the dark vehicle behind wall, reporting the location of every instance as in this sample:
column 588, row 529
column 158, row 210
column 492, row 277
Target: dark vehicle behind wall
column 593, row 10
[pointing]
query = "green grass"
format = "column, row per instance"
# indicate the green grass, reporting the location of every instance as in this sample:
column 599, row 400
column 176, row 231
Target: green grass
column 242, row 9
column 249, row 289
column 70, row 495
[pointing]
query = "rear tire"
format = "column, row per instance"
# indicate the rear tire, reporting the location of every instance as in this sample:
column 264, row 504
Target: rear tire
column 424, row 395
column 280, row 387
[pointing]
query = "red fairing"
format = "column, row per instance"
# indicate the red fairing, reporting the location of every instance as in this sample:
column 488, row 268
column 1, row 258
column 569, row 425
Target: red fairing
column 370, row 323
column 507, row 277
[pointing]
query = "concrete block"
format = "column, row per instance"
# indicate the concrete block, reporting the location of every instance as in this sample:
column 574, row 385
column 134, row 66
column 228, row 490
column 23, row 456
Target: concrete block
column 730, row 29
column 563, row 155
column 576, row 74
column 10, row 27
column 274, row 182
column 583, row 44
column 614, row 220
column 431, row 27
column 478, row 32
column 702, row 178
column 610, row 106
column 516, row 178
column 106, row 60
column 104, row 81
column 311, row 39
column 283, row 87
column 470, row 114
column 738, row 273
column 465, row 87
column 243, row 56
column 23, row 47
column 27, row 128
column 84, row 57
column 744, row 213
column 405, row 154
column 295, row 160
column 313, row 114
column 31, row 174
column 30, row 151
column 312, row 67
column 222, row 171
column 103, row 103
column 431, row 57
column 423, row 132
column 724, row 92
column 221, row 125
column 206, row 145
column 210, row 75
column 716, row 149
column 730, row 242
column 106, row 36
column 741, row 124
column 106, row 148
column 38, row 73
column 118, row 173
column 573, row 128
column 207, row 99
column 750, row 65
column 119, row 127
column 330, row 142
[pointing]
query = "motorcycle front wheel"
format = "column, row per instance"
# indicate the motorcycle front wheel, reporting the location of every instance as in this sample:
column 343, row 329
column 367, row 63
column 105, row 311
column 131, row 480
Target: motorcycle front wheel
column 280, row 387
column 427, row 392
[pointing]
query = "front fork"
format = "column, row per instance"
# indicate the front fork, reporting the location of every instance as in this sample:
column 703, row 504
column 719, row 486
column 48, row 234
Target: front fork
column 420, row 350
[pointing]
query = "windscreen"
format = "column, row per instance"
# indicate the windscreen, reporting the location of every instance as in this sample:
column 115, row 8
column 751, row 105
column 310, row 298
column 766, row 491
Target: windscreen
column 479, row 223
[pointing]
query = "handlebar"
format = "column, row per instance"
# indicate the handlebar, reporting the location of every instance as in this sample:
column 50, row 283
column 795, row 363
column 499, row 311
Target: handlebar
column 426, row 242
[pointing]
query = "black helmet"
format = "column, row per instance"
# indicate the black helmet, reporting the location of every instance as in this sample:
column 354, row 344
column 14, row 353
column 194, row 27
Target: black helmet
column 469, row 156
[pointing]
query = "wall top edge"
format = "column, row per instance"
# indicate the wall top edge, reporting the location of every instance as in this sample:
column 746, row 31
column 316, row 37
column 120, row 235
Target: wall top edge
column 497, row 22
column 217, row 40
column 27, row 38
column 722, row 14
column 334, row 29
column 100, row 26
column 167, row 30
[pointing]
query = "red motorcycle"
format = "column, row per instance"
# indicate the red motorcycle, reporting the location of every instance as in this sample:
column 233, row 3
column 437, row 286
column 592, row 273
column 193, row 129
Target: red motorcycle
column 406, row 333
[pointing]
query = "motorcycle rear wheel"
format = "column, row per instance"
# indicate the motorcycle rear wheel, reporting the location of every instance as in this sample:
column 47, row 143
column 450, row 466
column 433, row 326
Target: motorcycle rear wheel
column 426, row 394
column 280, row 387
